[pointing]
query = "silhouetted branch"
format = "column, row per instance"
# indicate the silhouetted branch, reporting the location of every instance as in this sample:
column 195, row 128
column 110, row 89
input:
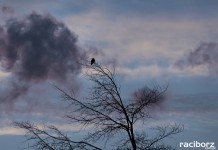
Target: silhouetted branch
column 107, row 113
column 53, row 140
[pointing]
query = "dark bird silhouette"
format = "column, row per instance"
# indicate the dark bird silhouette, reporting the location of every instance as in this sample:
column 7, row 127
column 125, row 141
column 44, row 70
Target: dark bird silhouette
column 92, row 61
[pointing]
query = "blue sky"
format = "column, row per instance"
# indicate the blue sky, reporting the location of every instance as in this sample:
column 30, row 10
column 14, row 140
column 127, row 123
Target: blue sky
column 146, row 39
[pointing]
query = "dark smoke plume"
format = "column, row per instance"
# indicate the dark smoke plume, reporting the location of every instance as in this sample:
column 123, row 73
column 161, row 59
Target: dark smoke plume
column 38, row 48
column 35, row 49
column 6, row 9
column 205, row 54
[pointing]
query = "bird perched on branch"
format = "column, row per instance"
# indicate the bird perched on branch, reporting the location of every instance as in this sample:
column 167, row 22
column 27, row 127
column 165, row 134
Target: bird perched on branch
column 92, row 61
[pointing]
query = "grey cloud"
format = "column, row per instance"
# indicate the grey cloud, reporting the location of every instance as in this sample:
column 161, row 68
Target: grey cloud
column 205, row 54
column 35, row 49
column 7, row 9
column 39, row 47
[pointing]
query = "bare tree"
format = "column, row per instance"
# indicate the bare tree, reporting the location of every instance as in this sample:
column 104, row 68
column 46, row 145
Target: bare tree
column 108, row 113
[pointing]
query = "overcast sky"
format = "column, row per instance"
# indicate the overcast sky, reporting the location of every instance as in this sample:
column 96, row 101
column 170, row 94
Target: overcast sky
column 152, row 42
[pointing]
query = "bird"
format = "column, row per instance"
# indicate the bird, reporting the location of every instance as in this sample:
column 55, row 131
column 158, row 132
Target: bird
column 92, row 61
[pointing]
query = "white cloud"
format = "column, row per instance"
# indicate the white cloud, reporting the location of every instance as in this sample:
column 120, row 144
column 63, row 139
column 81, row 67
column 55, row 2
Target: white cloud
column 11, row 131
column 3, row 74
column 62, row 127
column 132, row 38
column 155, row 71
column 140, row 72
column 201, row 70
